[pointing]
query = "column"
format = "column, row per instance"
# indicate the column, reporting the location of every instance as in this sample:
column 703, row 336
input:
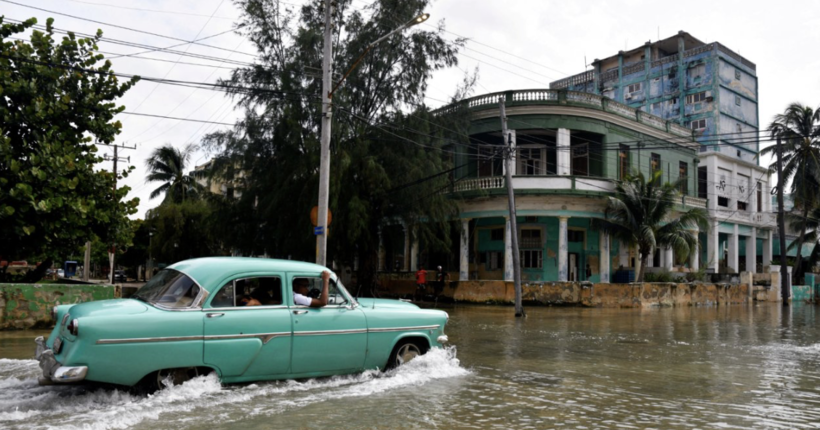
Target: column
column 414, row 251
column 713, row 242
column 668, row 258
column 650, row 262
column 508, row 257
column 381, row 250
column 603, row 261
column 563, row 255
column 694, row 255
column 733, row 251
column 767, row 249
column 464, row 260
column 751, row 251
column 563, row 152
column 406, row 263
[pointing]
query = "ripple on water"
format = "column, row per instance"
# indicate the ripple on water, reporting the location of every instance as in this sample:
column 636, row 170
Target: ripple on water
column 24, row 404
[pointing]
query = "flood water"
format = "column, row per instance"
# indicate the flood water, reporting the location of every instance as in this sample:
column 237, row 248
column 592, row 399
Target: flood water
column 710, row 367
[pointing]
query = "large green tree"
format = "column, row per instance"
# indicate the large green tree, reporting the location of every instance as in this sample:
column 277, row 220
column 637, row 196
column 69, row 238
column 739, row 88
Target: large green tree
column 383, row 139
column 56, row 103
column 642, row 215
column 181, row 231
column 167, row 165
column 798, row 128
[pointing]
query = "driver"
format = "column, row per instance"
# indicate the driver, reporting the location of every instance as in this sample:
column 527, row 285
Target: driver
column 300, row 291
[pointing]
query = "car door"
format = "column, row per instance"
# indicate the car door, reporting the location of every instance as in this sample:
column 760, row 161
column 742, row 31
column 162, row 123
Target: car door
column 248, row 342
column 327, row 340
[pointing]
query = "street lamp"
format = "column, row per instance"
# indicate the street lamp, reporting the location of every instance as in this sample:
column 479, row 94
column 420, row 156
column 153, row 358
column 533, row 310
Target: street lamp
column 327, row 95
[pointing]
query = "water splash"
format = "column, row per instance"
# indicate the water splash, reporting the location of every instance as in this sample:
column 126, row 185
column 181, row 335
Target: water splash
column 24, row 404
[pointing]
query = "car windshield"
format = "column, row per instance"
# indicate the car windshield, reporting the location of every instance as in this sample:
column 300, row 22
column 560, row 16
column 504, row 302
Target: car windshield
column 344, row 291
column 169, row 288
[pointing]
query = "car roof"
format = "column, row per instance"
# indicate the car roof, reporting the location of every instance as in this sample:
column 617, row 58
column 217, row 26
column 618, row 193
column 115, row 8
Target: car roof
column 213, row 269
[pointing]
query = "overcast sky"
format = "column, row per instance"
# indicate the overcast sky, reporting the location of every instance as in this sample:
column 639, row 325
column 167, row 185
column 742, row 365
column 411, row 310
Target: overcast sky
column 515, row 44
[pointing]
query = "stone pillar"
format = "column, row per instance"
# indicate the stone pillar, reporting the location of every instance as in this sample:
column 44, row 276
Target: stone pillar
column 694, row 257
column 733, row 251
column 414, row 251
column 751, row 251
column 563, row 253
column 767, row 248
column 406, row 262
column 668, row 258
column 508, row 257
column 381, row 250
column 464, row 260
column 603, row 261
column 563, row 155
column 713, row 242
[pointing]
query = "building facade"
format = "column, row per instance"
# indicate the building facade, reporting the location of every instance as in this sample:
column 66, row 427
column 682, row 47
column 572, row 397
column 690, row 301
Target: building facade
column 705, row 87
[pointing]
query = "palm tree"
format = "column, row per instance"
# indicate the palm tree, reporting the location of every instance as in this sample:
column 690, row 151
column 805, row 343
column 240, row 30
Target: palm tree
column 798, row 129
column 640, row 215
column 167, row 164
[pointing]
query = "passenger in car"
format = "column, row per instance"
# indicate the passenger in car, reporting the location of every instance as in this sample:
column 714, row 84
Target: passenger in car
column 300, row 292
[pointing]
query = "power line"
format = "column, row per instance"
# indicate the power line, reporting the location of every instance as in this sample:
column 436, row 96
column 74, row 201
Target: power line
column 148, row 10
column 176, row 118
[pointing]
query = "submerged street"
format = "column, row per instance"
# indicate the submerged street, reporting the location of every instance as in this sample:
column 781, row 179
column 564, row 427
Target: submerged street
column 709, row 367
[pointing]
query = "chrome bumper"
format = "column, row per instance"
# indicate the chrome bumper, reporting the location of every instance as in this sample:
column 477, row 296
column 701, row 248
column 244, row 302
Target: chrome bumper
column 53, row 371
column 442, row 339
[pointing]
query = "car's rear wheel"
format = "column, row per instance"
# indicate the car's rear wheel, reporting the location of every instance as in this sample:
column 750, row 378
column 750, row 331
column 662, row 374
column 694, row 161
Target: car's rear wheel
column 169, row 377
column 404, row 352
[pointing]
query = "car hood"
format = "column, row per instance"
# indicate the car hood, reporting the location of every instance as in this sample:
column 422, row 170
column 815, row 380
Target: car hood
column 108, row 307
column 385, row 303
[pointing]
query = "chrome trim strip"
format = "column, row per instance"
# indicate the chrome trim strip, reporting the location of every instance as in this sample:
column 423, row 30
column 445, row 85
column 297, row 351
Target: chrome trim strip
column 391, row 329
column 329, row 332
column 265, row 337
column 243, row 308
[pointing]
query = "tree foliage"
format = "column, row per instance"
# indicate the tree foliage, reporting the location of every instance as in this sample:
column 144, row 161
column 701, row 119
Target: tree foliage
column 798, row 128
column 56, row 103
column 641, row 214
column 384, row 137
column 167, row 165
column 181, row 231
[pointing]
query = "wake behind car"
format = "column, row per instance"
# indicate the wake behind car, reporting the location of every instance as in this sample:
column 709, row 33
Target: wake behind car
column 190, row 319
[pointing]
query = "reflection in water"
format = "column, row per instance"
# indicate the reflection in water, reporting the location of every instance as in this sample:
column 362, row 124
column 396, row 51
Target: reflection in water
column 732, row 367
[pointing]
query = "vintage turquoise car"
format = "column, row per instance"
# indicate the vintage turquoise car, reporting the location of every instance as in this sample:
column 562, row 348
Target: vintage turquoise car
column 190, row 319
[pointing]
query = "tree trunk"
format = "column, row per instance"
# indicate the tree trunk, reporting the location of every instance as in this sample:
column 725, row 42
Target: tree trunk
column 644, row 260
column 797, row 275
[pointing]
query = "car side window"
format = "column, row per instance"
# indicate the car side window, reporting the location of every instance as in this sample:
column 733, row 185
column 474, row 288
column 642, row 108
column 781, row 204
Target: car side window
column 334, row 294
column 255, row 291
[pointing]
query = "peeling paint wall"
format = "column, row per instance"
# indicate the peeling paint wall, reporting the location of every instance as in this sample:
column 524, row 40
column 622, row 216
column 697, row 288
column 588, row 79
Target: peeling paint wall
column 26, row 306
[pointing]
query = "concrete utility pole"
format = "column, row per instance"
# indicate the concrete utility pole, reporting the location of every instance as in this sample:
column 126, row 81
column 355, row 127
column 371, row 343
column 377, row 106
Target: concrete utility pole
column 87, row 261
column 508, row 160
column 112, row 253
column 781, row 228
column 324, row 163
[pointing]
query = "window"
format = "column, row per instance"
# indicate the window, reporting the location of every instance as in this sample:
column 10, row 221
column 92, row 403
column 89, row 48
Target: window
column 657, row 106
column 169, row 289
column 497, row 234
column 633, row 87
column 531, row 219
column 531, row 238
column 703, row 183
column 723, row 201
column 737, row 74
column 737, row 100
column 654, row 162
column 335, row 296
column 683, row 176
column 580, row 159
column 759, row 197
column 738, row 128
column 697, row 71
column 265, row 290
column 623, row 161
column 529, row 161
column 531, row 259
column 492, row 260
column 575, row 236
column 696, row 98
column 741, row 206
column 489, row 161
column 698, row 124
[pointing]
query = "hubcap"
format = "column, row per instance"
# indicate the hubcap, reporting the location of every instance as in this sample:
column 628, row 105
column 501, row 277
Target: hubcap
column 406, row 353
column 173, row 377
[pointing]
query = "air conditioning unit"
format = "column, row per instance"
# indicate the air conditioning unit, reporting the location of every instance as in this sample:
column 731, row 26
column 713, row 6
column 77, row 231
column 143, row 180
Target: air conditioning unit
column 627, row 96
column 709, row 96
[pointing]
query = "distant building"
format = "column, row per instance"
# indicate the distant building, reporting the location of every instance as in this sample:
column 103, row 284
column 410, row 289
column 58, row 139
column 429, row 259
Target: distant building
column 705, row 87
column 217, row 186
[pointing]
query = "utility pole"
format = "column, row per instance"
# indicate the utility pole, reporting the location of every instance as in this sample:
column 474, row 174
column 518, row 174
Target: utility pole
column 87, row 261
column 781, row 228
column 324, row 163
column 507, row 136
column 112, row 253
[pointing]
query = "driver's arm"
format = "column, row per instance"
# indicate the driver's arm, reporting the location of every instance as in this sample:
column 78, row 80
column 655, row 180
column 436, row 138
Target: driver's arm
column 322, row 300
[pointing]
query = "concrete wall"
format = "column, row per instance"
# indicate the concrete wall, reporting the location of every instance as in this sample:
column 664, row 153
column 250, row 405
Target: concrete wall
column 26, row 306
column 595, row 295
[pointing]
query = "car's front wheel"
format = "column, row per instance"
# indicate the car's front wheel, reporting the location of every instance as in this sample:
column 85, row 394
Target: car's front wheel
column 404, row 352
